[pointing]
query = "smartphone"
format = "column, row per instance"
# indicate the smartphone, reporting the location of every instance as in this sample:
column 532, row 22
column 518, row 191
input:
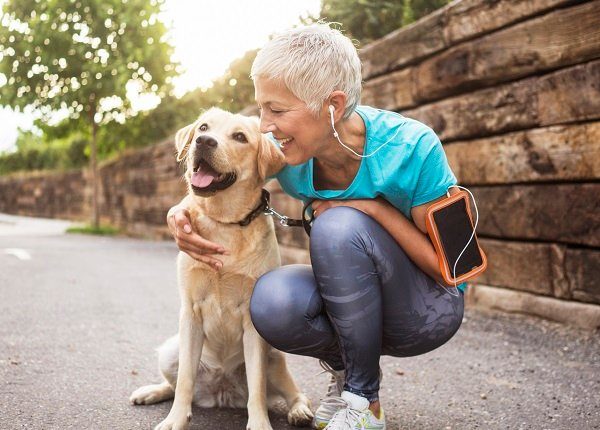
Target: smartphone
column 450, row 226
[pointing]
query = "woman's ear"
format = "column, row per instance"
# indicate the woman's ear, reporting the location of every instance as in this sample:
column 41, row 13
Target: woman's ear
column 337, row 100
column 270, row 158
column 183, row 138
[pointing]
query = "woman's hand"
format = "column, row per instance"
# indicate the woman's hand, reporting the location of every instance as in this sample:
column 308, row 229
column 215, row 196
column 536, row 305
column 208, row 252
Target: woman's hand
column 363, row 205
column 190, row 242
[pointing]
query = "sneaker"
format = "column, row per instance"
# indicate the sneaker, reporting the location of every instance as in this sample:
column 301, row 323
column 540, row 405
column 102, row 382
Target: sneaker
column 356, row 415
column 332, row 401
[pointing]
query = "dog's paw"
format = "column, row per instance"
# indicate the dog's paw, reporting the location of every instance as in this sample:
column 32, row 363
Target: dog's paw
column 150, row 394
column 175, row 421
column 259, row 424
column 300, row 414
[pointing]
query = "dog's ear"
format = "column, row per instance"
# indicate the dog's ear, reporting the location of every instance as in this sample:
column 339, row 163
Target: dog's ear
column 183, row 138
column 270, row 158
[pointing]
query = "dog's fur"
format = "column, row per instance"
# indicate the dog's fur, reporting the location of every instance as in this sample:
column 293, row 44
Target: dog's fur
column 218, row 358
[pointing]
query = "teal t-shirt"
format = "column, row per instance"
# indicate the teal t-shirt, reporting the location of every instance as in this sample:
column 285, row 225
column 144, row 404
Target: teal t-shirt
column 409, row 169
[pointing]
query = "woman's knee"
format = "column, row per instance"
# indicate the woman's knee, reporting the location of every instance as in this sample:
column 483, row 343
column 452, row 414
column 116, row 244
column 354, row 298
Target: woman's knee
column 337, row 225
column 279, row 302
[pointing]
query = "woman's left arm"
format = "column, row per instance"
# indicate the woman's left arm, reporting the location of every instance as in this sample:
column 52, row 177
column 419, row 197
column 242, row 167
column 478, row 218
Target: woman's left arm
column 411, row 237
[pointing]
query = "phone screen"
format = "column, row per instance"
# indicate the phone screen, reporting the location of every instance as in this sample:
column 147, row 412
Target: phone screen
column 454, row 229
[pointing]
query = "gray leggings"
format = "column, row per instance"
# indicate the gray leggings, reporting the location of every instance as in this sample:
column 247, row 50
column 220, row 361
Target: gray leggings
column 362, row 298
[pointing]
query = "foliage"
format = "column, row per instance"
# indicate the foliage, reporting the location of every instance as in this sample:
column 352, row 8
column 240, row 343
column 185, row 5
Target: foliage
column 81, row 56
column 368, row 20
column 35, row 152
column 102, row 230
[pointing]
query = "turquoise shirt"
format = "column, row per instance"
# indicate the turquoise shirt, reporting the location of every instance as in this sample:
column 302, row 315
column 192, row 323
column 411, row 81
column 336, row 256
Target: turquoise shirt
column 409, row 169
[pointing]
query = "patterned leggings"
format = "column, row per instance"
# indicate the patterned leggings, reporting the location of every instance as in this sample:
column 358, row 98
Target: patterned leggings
column 362, row 298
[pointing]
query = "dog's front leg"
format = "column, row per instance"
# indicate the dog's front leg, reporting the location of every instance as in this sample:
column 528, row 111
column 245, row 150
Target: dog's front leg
column 255, row 356
column 191, row 339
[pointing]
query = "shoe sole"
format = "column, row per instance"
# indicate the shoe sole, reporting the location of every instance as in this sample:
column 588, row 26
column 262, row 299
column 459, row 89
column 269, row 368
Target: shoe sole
column 319, row 426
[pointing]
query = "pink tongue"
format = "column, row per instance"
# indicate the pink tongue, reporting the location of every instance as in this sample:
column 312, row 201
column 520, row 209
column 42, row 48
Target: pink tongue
column 204, row 176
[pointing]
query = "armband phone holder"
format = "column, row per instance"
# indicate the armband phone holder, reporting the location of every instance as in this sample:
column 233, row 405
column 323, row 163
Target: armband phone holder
column 450, row 227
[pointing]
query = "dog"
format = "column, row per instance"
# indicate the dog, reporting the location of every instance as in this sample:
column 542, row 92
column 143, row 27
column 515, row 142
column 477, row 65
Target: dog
column 218, row 359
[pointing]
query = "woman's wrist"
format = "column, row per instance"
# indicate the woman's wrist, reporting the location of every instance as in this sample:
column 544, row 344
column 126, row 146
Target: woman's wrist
column 375, row 208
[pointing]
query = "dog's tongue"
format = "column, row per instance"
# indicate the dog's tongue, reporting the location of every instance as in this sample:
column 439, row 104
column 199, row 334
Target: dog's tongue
column 204, row 176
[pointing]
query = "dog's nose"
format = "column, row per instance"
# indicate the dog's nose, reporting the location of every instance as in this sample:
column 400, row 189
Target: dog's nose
column 206, row 140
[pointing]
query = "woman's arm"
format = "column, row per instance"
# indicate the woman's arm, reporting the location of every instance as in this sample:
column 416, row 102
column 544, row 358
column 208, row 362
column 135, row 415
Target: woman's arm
column 411, row 237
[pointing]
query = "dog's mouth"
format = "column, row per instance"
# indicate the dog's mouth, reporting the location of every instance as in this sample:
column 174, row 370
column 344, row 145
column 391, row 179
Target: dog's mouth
column 205, row 178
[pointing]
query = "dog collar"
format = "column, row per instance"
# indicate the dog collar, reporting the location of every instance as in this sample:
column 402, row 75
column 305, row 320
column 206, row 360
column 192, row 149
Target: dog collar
column 262, row 207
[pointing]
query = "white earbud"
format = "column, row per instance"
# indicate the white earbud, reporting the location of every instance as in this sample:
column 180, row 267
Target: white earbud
column 331, row 110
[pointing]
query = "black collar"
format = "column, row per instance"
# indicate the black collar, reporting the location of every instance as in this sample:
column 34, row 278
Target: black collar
column 261, row 208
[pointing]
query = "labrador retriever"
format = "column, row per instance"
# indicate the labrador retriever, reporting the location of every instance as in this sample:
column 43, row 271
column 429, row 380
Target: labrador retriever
column 218, row 359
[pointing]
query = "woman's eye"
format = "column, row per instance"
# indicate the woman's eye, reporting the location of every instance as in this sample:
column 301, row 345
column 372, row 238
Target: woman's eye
column 203, row 127
column 240, row 137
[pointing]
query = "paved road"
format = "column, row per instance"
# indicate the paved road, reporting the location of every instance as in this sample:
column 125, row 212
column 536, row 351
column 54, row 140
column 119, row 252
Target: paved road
column 80, row 317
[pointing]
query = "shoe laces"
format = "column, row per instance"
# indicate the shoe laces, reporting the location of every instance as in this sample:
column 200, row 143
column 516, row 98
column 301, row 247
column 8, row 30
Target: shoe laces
column 345, row 418
column 330, row 405
column 336, row 381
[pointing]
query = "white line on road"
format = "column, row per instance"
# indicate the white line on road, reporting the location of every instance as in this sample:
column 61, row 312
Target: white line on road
column 21, row 254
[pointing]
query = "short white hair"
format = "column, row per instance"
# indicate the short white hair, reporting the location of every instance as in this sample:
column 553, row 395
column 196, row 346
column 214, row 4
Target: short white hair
column 312, row 62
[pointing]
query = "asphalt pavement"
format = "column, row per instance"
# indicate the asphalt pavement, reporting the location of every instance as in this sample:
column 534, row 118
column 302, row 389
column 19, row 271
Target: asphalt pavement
column 80, row 317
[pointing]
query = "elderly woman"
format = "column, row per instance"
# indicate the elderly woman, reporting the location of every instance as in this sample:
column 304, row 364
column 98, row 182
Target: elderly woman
column 374, row 286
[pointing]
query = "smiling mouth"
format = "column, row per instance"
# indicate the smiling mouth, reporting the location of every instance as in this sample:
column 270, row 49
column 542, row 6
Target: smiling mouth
column 206, row 179
column 283, row 142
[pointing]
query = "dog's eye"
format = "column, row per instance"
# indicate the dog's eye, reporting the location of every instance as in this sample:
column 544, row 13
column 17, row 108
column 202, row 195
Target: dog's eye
column 203, row 127
column 240, row 137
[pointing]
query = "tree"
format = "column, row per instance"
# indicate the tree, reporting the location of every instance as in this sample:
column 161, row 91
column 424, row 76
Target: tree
column 368, row 20
column 82, row 59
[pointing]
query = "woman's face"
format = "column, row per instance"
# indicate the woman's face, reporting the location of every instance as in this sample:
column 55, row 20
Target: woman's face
column 301, row 134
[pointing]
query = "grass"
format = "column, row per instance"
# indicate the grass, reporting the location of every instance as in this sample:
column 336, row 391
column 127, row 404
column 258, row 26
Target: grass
column 103, row 230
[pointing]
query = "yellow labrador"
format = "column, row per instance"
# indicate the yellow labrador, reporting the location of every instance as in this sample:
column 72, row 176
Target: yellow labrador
column 218, row 359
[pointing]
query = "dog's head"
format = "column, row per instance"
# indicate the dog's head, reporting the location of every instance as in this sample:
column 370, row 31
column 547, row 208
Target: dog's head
column 221, row 148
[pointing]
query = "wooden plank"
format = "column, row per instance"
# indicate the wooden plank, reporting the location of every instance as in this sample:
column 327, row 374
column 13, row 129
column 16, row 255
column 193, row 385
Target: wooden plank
column 404, row 46
column 482, row 113
column 561, row 38
column 583, row 268
column 557, row 153
column 531, row 267
column 446, row 27
column 466, row 19
column 524, row 104
column 569, row 95
column 563, row 213
column 390, row 91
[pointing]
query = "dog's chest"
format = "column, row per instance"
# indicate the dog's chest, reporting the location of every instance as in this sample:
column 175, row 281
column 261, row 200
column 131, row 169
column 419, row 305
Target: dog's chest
column 223, row 305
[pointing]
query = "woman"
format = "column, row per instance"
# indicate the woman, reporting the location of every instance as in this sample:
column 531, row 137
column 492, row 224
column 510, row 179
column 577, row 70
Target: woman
column 374, row 287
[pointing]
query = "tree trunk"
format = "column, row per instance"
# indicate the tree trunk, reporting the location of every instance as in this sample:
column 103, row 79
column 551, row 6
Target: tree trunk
column 94, row 167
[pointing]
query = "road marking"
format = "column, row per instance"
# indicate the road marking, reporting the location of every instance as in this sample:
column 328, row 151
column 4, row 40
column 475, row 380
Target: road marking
column 21, row 254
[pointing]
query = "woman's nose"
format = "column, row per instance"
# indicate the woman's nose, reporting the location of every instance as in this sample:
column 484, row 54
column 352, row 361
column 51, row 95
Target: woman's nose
column 266, row 126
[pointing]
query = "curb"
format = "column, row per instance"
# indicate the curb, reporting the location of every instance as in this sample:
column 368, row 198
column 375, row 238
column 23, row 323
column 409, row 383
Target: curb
column 583, row 315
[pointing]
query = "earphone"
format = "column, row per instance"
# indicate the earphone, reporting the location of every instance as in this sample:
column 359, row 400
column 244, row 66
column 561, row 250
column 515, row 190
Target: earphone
column 337, row 136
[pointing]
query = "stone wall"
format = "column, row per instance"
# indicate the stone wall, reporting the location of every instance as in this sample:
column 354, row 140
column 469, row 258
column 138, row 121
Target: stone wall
column 136, row 190
column 513, row 90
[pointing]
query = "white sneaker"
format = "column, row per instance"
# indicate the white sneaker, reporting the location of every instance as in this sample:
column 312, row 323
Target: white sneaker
column 332, row 401
column 356, row 415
